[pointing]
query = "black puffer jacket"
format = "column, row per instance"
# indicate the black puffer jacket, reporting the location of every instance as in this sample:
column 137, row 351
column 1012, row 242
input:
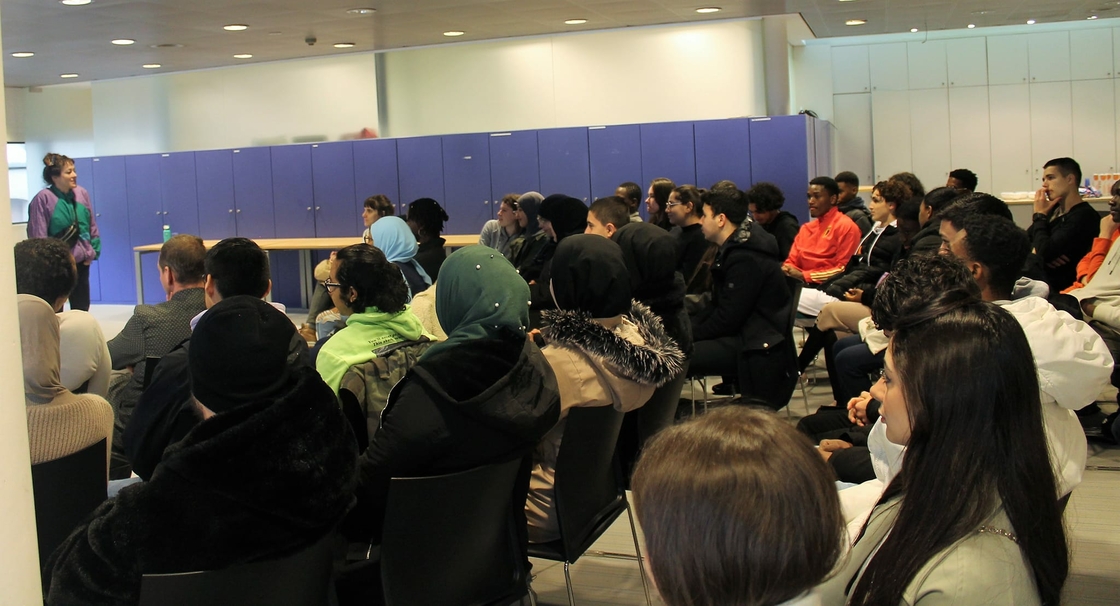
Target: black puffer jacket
column 871, row 260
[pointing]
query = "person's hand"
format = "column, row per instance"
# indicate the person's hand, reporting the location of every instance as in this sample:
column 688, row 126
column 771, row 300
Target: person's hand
column 532, row 282
column 1088, row 308
column 854, row 295
column 792, row 272
column 1108, row 226
column 827, row 447
column 857, row 408
column 1042, row 204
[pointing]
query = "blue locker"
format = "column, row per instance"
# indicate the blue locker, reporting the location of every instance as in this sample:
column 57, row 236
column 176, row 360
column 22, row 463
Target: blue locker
column 332, row 168
column 420, row 169
column 723, row 151
column 668, row 151
column 565, row 166
column 84, row 168
column 375, row 172
column 110, row 207
column 616, row 157
column 179, row 192
column 293, row 196
column 514, row 166
column 782, row 153
column 145, row 216
column 252, row 192
column 466, row 182
column 217, row 212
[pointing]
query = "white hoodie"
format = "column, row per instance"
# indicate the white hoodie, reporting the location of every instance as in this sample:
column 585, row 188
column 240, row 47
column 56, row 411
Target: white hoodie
column 1074, row 366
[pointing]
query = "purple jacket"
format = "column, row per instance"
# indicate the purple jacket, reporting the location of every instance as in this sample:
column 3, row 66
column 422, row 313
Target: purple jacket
column 46, row 216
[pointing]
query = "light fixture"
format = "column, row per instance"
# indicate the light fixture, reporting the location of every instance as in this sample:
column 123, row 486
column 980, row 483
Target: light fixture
column 913, row 30
column 152, row 66
column 124, row 42
column 75, row 2
column 708, row 9
column 575, row 22
column 361, row 11
column 856, row 22
column 1030, row 21
column 453, row 33
column 971, row 26
column 235, row 27
column 243, row 56
column 23, row 54
column 68, row 76
column 1091, row 17
column 344, row 45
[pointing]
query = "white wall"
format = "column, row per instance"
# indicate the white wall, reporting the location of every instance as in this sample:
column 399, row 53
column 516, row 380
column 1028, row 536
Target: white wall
column 654, row 74
column 56, row 119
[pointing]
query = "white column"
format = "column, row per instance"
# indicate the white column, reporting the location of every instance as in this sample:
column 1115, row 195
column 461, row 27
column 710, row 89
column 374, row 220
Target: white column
column 19, row 559
column 775, row 42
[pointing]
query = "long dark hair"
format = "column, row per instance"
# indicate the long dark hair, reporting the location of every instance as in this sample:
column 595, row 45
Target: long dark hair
column 976, row 442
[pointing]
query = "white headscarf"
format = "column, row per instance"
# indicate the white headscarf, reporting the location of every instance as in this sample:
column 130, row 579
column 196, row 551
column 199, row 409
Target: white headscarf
column 39, row 340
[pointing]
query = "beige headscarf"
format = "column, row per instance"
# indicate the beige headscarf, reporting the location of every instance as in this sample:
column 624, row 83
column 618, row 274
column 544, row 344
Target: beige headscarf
column 39, row 338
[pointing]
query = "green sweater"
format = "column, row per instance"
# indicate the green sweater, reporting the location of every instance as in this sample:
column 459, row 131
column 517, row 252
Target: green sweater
column 364, row 334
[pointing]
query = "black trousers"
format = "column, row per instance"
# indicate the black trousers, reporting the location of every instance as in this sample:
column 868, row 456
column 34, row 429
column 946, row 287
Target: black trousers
column 79, row 297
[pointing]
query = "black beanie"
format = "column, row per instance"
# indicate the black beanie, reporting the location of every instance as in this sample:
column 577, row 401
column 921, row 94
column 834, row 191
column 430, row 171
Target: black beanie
column 239, row 353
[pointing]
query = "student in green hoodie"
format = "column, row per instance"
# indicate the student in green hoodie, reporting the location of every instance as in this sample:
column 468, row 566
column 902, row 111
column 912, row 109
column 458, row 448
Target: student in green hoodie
column 370, row 293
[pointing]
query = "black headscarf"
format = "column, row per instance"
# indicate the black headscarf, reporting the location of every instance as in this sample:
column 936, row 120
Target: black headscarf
column 589, row 274
column 567, row 214
column 530, row 203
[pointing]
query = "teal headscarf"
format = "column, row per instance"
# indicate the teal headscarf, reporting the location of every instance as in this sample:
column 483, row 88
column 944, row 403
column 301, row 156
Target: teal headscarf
column 478, row 293
column 392, row 236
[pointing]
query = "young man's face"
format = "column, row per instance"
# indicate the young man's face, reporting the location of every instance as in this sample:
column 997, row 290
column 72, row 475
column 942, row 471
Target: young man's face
column 763, row 217
column 952, row 242
column 847, row 192
column 597, row 227
column 506, row 215
column 712, row 225
column 820, row 201
column 1055, row 185
column 621, row 193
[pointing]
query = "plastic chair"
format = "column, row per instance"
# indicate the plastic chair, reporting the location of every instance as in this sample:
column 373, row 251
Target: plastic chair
column 795, row 286
column 301, row 579
column 588, row 492
column 66, row 491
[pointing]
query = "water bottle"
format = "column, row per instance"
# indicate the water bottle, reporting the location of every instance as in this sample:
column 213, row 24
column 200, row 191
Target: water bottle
column 166, row 233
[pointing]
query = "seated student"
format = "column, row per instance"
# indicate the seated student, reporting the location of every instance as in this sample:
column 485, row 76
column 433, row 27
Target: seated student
column 269, row 471
column 523, row 249
column 1110, row 230
column 393, row 237
column 962, row 178
column 605, row 349
column 371, row 294
column 153, row 331
column 695, row 253
column 769, row 527
column 164, row 415
column 911, row 181
column 750, row 303
column 1063, row 225
column 426, row 218
column 822, row 247
column 656, row 199
column 59, row 422
column 972, row 517
column 606, row 216
column 851, row 204
column 46, row 269
column 499, row 233
column 766, row 201
column 560, row 216
column 632, row 193
column 485, row 395
column 928, row 238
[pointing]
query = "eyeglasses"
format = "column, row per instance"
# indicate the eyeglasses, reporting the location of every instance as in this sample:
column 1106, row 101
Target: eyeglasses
column 327, row 284
column 672, row 204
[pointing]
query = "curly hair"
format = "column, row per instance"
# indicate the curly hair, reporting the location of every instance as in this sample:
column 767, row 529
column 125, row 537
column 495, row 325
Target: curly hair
column 45, row 268
column 765, row 196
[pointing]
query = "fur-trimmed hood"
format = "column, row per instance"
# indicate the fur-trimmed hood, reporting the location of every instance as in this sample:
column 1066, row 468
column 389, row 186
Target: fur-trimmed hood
column 654, row 361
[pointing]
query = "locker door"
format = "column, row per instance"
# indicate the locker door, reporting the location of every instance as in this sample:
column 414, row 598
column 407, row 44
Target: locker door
column 110, row 208
column 179, row 192
column 514, row 165
column 252, row 192
column 292, row 194
column 217, row 212
column 332, row 166
column 145, row 216
column 375, row 171
column 780, row 154
column 420, row 169
column 668, row 150
column 466, row 175
column 564, row 162
column 723, row 151
column 616, row 157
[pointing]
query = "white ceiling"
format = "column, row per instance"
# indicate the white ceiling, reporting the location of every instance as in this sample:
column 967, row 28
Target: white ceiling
column 76, row 39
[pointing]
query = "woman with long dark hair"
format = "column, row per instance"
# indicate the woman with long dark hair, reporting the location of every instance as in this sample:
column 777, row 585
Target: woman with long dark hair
column 657, row 202
column 972, row 516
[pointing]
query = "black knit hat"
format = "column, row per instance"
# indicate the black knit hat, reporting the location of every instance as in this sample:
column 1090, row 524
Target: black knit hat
column 239, row 353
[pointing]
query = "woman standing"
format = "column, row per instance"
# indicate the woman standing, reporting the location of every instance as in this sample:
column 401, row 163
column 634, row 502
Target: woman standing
column 63, row 211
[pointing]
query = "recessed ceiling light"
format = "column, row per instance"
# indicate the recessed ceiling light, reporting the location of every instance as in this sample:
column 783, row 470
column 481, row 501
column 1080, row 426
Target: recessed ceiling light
column 575, row 22
column 1091, row 17
column 971, row 26
column 68, row 76
column 152, row 66
column 243, row 56
column 708, row 9
column 235, row 27
column 124, row 42
column 913, row 30
column 23, row 54
column 856, row 22
column 361, row 11
column 344, row 45
column 75, row 2
column 452, row 34
column 1030, row 21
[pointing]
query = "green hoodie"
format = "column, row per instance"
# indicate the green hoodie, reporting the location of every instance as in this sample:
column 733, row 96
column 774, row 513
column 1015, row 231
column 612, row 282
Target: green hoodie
column 364, row 334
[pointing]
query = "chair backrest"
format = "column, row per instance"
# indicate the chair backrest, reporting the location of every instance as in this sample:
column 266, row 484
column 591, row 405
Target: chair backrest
column 364, row 388
column 301, row 579
column 795, row 286
column 453, row 539
column 66, row 491
column 589, row 493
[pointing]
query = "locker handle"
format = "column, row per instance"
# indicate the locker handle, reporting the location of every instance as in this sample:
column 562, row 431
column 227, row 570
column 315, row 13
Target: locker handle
column 308, row 208
column 318, row 207
column 231, row 211
column 239, row 210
